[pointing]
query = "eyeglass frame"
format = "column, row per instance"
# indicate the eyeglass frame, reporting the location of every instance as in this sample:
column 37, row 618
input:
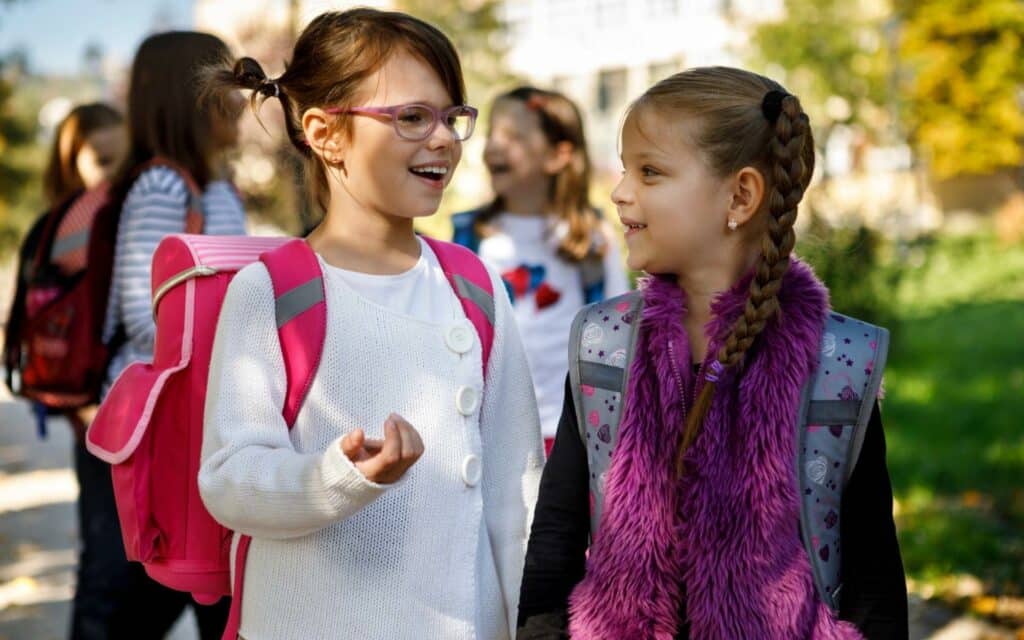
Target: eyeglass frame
column 438, row 115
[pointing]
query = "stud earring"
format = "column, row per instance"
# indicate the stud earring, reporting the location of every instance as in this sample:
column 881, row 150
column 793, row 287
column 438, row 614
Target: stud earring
column 732, row 224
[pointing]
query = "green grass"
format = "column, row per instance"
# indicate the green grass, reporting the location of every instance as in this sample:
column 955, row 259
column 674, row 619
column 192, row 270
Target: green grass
column 954, row 412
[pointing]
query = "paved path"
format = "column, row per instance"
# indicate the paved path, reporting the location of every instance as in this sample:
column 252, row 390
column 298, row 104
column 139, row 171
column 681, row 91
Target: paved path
column 38, row 529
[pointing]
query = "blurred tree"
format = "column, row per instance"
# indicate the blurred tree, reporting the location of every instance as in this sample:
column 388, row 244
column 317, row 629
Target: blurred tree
column 476, row 29
column 965, row 95
column 14, row 132
column 833, row 54
column 947, row 74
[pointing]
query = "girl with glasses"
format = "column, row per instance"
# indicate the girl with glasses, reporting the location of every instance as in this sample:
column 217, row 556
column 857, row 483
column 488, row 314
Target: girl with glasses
column 398, row 504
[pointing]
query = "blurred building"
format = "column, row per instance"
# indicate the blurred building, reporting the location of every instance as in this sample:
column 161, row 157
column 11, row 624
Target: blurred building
column 605, row 53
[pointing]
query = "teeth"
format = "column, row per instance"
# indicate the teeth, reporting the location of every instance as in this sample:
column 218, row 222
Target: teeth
column 437, row 170
column 636, row 226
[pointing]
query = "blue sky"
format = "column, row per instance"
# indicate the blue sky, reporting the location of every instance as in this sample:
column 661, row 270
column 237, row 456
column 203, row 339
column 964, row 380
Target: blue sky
column 56, row 32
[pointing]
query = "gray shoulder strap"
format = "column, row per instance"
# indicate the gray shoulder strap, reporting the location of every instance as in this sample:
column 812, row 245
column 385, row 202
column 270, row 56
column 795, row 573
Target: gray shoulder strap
column 836, row 405
column 601, row 348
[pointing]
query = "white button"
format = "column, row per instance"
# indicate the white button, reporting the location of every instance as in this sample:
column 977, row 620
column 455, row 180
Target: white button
column 471, row 470
column 459, row 339
column 466, row 400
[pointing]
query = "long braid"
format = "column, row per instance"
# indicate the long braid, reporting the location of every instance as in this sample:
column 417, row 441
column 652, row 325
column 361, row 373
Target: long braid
column 791, row 157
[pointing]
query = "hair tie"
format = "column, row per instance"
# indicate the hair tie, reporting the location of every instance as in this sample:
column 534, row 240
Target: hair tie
column 269, row 88
column 536, row 102
column 771, row 106
column 715, row 373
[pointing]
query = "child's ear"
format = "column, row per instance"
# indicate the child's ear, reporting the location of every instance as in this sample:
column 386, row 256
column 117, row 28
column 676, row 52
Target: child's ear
column 322, row 136
column 748, row 193
column 559, row 157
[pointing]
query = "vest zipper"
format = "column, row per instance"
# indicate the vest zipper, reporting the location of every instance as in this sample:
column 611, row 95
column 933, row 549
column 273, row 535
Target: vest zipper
column 678, row 376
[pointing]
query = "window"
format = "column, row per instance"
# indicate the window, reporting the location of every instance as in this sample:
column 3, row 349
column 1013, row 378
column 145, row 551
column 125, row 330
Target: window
column 611, row 90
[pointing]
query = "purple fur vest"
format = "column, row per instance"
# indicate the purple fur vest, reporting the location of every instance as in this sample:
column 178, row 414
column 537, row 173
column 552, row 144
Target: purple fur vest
column 729, row 530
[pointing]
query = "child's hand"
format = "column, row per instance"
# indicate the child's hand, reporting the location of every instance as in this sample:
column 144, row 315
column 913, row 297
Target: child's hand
column 384, row 461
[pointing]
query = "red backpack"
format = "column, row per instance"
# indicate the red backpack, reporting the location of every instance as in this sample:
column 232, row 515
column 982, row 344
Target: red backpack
column 54, row 352
column 150, row 425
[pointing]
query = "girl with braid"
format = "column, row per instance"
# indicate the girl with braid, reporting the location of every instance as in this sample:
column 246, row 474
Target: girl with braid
column 697, row 532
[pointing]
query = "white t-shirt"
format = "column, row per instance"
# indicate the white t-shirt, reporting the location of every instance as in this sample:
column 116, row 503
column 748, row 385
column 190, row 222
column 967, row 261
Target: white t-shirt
column 421, row 292
column 546, row 292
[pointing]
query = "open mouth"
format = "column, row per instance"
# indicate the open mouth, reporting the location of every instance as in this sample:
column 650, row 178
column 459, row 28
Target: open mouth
column 430, row 172
column 498, row 168
column 633, row 227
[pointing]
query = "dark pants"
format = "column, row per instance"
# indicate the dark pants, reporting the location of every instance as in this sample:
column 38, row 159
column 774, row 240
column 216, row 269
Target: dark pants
column 114, row 598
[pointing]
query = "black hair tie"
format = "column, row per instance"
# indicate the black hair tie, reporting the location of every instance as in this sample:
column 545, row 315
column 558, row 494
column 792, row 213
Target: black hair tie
column 771, row 106
column 269, row 88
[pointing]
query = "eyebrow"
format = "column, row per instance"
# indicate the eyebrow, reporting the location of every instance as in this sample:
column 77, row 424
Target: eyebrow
column 641, row 156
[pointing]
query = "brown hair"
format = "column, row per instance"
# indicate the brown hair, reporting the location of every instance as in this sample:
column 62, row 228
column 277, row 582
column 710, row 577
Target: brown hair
column 568, row 191
column 167, row 114
column 734, row 131
column 332, row 56
column 61, row 178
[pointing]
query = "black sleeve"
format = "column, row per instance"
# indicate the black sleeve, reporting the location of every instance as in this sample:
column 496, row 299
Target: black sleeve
column 556, row 554
column 874, row 594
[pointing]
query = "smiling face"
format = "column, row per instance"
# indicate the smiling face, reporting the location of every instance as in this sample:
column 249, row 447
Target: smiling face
column 674, row 208
column 516, row 150
column 383, row 173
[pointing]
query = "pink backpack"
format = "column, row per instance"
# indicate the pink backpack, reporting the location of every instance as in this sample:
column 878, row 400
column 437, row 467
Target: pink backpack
column 150, row 425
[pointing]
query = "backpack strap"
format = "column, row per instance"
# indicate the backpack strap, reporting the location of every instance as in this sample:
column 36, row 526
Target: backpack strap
column 602, row 343
column 195, row 217
column 301, row 310
column 592, row 278
column 471, row 283
column 592, row 266
column 464, row 229
column 836, row 405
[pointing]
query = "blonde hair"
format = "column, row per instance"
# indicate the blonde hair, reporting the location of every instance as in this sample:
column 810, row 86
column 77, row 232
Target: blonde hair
column 734, row 131
column 568, row 191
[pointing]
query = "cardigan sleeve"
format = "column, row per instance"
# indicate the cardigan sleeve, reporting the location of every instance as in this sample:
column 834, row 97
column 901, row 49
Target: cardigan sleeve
column 874, row 594
column 251, row 478
column 560, row 534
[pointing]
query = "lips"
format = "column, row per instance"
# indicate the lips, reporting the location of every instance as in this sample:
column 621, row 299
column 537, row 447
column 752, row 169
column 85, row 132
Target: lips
column 632, row 226
column 432, row 172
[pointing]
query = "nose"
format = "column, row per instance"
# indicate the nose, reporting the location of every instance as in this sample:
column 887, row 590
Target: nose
column 442, row 137
column 622, row 195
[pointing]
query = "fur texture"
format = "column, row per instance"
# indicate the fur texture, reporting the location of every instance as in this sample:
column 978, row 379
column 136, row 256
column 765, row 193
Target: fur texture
column 729, row 530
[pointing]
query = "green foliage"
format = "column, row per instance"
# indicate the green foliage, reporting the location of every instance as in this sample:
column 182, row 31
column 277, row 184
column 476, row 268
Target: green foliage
column 831, row 49
column 956, row 68
column 15, row 134
column 856, row 264
column 964, row 102
column 475, row 28
column 954, row 392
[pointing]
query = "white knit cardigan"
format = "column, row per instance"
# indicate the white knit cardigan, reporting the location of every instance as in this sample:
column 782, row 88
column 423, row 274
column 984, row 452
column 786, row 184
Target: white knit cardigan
column 437, row 555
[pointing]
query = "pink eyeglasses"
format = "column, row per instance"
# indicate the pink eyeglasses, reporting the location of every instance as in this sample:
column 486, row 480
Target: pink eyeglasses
column 417, row 121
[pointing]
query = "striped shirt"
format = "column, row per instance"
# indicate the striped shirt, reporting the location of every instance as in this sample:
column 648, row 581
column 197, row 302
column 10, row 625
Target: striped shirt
column 155, row 207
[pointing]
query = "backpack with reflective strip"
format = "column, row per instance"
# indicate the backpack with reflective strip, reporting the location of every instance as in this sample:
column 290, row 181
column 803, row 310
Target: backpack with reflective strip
column 834, row 412
column 54, row 351
column 150, row 425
